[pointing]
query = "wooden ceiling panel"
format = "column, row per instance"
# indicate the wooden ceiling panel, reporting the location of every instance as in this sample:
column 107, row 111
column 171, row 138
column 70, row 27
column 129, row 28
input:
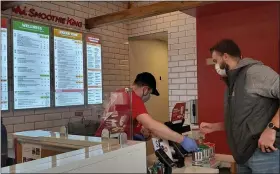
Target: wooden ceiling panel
column 142, row 12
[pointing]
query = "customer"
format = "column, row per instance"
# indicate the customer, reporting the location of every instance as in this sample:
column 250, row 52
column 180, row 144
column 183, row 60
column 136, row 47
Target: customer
column 144, row 85
column 4, row 145
column 251, row 109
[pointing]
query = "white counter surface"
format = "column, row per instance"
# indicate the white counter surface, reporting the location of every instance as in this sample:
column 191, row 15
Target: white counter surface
column 194, row 169
column 56, row 139
column 94, row 155
column 188, row 166
column 98, row 149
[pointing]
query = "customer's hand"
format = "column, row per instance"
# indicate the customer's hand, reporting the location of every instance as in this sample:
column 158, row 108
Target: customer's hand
column 207, row 128
column 189, row 144
column 267, row 140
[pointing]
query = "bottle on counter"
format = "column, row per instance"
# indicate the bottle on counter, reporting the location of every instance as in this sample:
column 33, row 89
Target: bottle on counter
column 63, row 131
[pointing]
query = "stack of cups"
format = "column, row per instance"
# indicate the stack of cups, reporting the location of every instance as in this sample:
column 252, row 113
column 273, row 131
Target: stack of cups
column 197, row 158
column 212, row 149
column 206, row 154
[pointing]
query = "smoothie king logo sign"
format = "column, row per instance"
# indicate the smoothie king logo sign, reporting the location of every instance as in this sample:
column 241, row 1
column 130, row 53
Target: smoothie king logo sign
column 33, row 13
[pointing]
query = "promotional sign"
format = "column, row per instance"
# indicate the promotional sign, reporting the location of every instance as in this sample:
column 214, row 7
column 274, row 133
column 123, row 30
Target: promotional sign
column 116, row 116
column 94, row 71
column 31, row 65
column 68, row 68
column 116, row 121
column 178, row 113
column 31, row 152
column 164, row 145
column 4, row 65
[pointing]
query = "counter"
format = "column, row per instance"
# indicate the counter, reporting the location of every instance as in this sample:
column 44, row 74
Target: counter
column 188, row 166
column 82, row 154
column 53, row 143
column 85, row 154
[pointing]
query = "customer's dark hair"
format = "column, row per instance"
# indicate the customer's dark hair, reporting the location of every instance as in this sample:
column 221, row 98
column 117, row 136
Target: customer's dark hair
column 227, row 46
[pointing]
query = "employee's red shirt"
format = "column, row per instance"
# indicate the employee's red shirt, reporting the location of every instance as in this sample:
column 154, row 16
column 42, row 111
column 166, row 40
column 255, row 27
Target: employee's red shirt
column 137, row 108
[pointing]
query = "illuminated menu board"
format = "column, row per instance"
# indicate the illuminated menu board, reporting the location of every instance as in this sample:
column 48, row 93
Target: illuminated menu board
column 68, row 56
column 31, row 65
column 94, row 73
column 4, row 66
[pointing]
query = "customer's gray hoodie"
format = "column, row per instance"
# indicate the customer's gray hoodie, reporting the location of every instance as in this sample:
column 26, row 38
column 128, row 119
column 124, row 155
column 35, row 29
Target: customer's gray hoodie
column 251, row 101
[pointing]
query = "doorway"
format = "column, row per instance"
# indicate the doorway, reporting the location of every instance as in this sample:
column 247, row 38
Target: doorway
column 149, row 53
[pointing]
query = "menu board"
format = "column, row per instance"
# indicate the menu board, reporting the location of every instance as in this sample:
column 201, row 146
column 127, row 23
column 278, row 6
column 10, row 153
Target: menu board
column 31, row 57
column 68, row 57
column 4, row 65
column 94, row 73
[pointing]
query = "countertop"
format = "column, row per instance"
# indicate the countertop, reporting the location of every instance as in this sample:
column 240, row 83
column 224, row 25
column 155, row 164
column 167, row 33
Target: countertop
column 56, row 139
column 188, row 166
column 97, row 147
column 194, row 169
column 89, row 147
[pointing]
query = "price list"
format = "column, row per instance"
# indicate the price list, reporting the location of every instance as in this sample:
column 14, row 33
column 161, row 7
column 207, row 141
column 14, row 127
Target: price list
column 68, row 56
column 31, row 57
column 94, row 72
column 4, row 62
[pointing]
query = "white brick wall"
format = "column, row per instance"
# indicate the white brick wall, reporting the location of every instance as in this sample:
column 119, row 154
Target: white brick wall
column 182, row 58
column 181, row 30
column 115, row 62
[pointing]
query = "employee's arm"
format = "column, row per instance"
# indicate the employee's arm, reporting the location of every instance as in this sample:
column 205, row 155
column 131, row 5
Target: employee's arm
column 159, row 129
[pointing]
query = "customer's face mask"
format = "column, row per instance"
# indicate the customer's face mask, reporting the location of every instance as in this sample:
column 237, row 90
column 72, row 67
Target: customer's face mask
column 221, row 67
column 146, row 95
column 221, row 72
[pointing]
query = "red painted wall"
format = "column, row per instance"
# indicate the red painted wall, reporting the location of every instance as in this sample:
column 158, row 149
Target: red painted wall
column 255, row 28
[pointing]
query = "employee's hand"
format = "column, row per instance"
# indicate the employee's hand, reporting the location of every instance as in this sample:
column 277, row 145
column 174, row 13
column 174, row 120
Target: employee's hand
column 267, row 140
column 146, row 133
column 138, row 137
column 189, row 144
column 207, row 128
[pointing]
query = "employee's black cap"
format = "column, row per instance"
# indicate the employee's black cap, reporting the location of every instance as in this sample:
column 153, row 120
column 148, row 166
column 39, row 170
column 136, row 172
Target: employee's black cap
column 149, row 80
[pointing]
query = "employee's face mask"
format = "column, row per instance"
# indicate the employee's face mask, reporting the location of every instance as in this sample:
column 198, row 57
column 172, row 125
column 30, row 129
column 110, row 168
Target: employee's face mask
column 146, row 95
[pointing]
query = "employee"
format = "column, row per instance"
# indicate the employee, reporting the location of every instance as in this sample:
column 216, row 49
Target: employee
column 251, row 109
column 143, row 87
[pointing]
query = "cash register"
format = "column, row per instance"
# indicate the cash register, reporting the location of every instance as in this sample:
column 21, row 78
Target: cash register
column 172, row 154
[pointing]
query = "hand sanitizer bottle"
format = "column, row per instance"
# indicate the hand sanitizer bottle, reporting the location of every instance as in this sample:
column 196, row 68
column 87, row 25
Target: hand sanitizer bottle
column 63, row 131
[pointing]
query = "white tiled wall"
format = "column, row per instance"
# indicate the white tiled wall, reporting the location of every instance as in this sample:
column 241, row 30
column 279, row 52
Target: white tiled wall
column 115, row 62
column 182, row 58
column 182, row 63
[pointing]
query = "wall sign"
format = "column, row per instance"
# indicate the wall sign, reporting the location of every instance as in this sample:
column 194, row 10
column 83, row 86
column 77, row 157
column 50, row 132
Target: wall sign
column 94, row 69
column 31, row 152
column 4, row 65
column 37, row 14
column 31, row 65
column 68, row 65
